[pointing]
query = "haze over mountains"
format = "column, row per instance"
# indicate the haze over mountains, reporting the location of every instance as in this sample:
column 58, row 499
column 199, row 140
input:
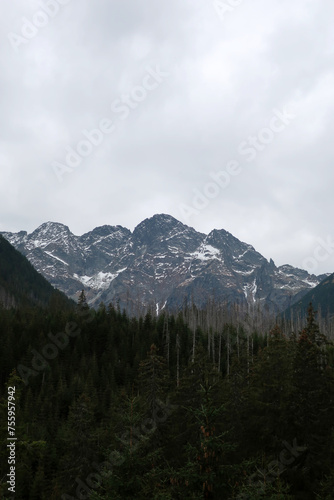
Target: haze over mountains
column 162, row 262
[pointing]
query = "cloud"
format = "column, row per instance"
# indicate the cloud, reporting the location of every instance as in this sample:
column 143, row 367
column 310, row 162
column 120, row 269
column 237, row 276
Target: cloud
column 225, row 78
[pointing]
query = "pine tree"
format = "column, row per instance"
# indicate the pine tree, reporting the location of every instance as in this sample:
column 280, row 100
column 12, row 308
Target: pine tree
column 133, row 466
column 154, row 382
column 78, row 442
column 207, row 471
column 311, row 402
column 82, row 301
column 270, row 387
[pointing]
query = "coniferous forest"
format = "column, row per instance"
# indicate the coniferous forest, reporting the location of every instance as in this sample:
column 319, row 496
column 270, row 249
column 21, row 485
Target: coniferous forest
column 192, row 405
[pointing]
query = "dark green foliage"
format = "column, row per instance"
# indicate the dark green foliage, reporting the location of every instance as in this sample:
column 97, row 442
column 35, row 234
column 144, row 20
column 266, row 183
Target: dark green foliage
column 104, row 412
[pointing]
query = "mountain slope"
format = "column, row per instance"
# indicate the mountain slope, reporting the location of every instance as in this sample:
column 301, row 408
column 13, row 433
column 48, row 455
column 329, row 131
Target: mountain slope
column 20, row 283
column 322, row 298
column 162, row 262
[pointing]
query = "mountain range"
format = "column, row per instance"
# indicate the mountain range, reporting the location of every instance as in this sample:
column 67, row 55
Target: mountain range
column 162, row 262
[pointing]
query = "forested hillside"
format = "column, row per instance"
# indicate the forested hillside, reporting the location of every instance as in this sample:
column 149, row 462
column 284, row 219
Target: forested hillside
column 171, row 407
column 21, row 284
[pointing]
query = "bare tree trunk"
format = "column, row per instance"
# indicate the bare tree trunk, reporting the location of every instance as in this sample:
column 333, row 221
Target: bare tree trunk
column 228, row 352
column 220, row 348
column 167, row 337
column 248, row 353
column 238, row 348
column 194, row 330
column 177, row 360
column 209, row 346
column 194, row 344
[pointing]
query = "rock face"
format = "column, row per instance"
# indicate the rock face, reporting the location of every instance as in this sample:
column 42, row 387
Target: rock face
column 162, row 262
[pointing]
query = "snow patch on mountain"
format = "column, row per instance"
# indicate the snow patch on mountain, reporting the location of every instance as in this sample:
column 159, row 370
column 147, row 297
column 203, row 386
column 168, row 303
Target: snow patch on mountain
column 57, row 258
column 312, row 284
column 250, row 290
column 100, row 281
column 205, row 252
column 244, row 273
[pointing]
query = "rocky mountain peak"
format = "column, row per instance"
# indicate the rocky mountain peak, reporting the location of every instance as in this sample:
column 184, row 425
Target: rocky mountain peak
column 160, row 263
column 155, row 227
column 50, row 229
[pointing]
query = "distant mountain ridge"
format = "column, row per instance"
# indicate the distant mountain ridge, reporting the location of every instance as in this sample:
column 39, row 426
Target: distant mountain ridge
column 161, row 263
column 322, row 298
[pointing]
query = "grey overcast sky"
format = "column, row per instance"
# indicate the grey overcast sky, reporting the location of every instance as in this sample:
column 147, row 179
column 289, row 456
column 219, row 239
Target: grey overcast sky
column 219, row 113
